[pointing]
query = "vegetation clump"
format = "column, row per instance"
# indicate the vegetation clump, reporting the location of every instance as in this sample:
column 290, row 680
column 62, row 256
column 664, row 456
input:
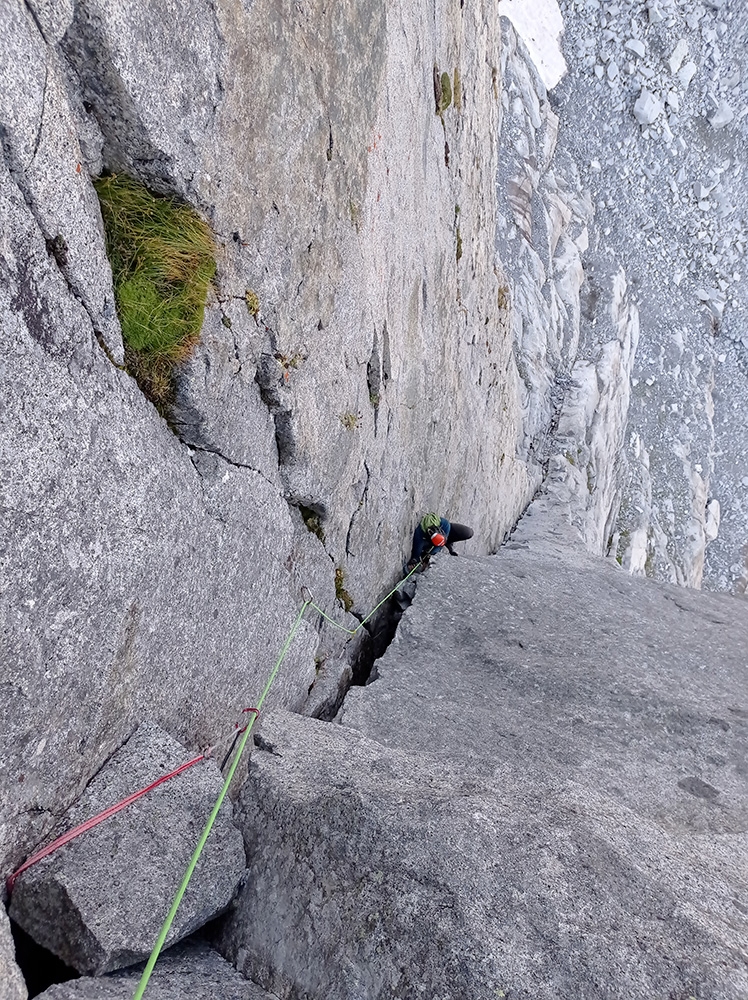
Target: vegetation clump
column 351, row 421
column 287, row 361
column 355, row 214
column 446, row 92
column 442, row 91
column 340, row 590
column 253, row 303
column 313, row 521
column 163, row 261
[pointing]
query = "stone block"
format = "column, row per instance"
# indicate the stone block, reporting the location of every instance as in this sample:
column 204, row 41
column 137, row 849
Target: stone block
column 608, row 710
column 99, row 902
column 190, row 970
column 12, row 986
column 647, row 108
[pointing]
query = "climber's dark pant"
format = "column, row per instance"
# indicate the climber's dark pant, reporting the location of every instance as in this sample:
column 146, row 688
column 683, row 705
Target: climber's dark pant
column 458, row 533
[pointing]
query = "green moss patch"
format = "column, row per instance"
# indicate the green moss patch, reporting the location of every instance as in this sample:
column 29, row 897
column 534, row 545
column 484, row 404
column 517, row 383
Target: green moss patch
column 351, row 421
column 163, row 261
column 253, row 303
column 443, row 91
column 340, row 589
column 446, row 92
column 313, row 521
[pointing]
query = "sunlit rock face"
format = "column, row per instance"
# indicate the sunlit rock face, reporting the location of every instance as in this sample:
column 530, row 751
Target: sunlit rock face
column 650, row 114
column 574, row 322
column 152, row 567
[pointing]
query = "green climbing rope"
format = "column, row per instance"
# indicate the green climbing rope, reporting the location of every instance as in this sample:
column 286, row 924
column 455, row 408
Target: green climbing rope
column 163, row 933
column 373, row 610
column 211, row 819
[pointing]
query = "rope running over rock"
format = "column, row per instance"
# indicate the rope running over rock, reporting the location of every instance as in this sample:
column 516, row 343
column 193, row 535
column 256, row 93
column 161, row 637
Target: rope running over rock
column 308, row 602
column 95, row 820
column 244, row 733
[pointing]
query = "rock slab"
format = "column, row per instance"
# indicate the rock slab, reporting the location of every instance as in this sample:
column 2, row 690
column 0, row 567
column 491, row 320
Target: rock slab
column 12, row 986
column 194, row 971
column 359, row 885
column 544, row 796
column 99, row 902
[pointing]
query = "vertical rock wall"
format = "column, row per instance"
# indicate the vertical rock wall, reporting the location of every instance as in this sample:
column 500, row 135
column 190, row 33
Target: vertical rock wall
column 623, row 244
column 12, row 986
column 151, row 570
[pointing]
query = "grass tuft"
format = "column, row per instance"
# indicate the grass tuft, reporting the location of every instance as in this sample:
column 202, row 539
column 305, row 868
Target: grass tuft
column 446, row 92
column 313, row 521
column 253, row 303
column 351, row 421
column 340, row 589
column 163, row 261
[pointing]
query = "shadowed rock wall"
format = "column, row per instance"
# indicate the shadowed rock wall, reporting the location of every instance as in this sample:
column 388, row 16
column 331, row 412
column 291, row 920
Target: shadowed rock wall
column 12, row 986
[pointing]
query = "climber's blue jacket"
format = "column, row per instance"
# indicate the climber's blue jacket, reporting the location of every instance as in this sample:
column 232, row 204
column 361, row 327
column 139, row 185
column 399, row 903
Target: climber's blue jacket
column 422, row 543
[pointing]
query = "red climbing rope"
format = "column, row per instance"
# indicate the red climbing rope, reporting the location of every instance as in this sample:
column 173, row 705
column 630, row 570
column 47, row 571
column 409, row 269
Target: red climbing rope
column 95, row 820
column 238, row 734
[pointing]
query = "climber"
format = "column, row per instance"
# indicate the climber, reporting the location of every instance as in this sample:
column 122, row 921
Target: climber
column 431, row 535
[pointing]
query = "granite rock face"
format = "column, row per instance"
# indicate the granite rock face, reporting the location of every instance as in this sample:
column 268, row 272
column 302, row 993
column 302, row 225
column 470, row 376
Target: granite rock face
column 99, row 902
column 621, row 224
column 152, row 570
column 357, row 216
column 49, row 145
column 544, row 793
column 346, row 157
column 131, row 553
column 12, row 986
column 193, row 970
column 362, row 851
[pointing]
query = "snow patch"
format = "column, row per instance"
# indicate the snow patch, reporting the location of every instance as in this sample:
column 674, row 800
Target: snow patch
column 540, row 25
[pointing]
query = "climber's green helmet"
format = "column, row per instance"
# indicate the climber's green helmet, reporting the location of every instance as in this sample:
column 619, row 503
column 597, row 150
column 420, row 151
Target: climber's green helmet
column 429, row 522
